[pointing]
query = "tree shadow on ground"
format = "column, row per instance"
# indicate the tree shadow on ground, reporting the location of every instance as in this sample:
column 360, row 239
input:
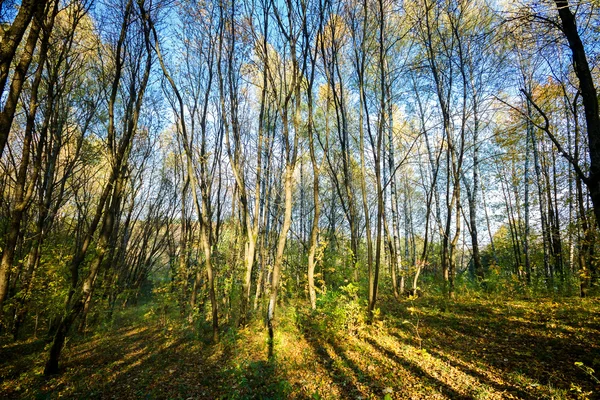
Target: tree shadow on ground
column 344, row 382
column 416, row 370
column 541, row 348
column 120, row 364
column 481, row 377
column 18, row 357
column 369, row 380
column 148, row 363
column 500, row 351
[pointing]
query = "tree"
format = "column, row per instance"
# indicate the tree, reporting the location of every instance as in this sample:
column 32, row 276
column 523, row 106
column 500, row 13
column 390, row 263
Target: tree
column 33, row 12
column 118, row 148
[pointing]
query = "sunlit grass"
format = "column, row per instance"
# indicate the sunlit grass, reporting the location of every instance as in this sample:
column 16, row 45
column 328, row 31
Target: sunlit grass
column 477, row 349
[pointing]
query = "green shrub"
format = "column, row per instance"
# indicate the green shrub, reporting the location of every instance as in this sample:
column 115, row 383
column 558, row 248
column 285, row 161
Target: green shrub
column 340, row 311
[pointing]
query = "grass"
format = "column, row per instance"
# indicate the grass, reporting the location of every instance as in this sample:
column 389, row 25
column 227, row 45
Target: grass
column 478, row 348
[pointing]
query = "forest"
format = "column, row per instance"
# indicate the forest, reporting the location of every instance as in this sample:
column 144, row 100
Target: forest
column 307, row 199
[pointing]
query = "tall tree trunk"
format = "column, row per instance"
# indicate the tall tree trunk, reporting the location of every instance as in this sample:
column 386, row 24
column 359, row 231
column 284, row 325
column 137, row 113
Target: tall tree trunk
column 529, row 132
column 13, row 36
column 589, row 97
column 314, row 231
column 288, row 185
column 473, row 203
column 395, row 234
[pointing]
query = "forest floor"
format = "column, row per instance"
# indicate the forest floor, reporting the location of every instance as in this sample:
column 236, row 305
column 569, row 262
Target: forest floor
column 475, row 349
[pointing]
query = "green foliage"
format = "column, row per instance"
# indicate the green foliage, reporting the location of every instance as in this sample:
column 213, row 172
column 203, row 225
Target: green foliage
column 340, row 311
column 259, row 379
column 505, row 276
column 164, row 300
column 335, row 261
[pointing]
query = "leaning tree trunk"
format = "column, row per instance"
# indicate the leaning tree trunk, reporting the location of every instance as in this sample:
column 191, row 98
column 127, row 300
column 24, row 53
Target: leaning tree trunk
column 7, row 52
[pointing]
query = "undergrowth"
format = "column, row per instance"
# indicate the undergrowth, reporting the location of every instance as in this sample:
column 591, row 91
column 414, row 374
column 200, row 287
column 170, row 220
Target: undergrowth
column 412, row 348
